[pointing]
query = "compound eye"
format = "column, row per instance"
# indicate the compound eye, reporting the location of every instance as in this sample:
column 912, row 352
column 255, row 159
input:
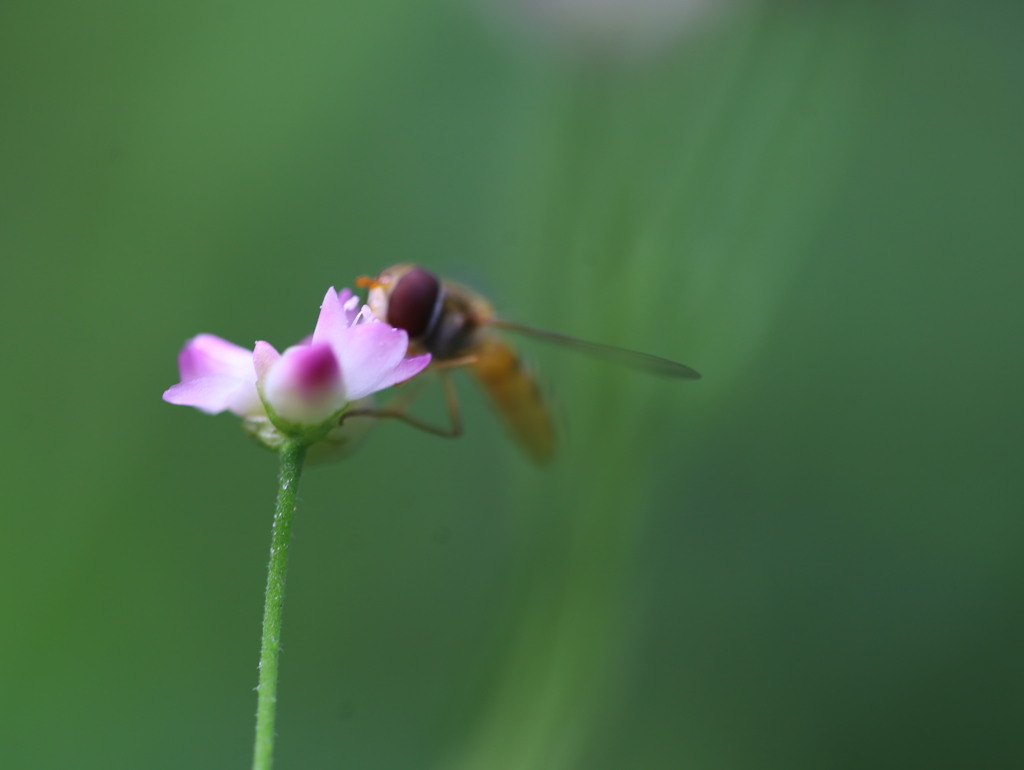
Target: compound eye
column 413, row 301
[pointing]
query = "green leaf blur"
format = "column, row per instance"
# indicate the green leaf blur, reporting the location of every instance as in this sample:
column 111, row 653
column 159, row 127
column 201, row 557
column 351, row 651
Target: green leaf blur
column 809, row 559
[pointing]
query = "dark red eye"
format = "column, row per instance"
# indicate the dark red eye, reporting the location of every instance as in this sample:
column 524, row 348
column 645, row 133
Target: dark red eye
column 414, row 301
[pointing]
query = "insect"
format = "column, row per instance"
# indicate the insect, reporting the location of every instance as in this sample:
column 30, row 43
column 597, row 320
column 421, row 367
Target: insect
column 459, row 328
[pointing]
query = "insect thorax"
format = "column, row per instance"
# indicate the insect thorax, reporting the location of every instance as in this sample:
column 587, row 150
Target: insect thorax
column 454, row 330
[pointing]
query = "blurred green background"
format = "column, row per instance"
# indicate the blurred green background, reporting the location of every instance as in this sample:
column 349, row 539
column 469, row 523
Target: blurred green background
column 809, row 559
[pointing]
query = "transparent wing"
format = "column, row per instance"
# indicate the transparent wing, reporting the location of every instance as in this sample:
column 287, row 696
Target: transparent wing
column 662, row 367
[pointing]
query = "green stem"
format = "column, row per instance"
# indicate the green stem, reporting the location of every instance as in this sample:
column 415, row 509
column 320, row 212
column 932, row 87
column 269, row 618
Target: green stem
column 292, row 455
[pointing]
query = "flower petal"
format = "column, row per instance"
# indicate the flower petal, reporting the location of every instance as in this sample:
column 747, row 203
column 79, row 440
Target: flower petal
column 304, row 386
column 216, row 393
column 408, row 367
column 334, row 318
column 368, row 353
column 208, row 354
column 264, row 356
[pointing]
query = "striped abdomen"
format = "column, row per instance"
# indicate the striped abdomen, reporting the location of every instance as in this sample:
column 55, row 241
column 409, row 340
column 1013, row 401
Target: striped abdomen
column 515, row 395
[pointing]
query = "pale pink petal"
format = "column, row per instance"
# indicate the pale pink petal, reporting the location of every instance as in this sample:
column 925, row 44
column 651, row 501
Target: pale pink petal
column 408, row 367
column 368, row 353
column 264, row 356
column 305, row 385
column 207, row 354
column 246, row 401
column 213, row 394
column 333, row 320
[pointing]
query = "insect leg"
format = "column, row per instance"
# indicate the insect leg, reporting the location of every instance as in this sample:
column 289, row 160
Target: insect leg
column 454, row 429
column 454, row 363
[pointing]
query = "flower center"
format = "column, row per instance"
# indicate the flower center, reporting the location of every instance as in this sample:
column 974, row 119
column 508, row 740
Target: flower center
column 317, row 373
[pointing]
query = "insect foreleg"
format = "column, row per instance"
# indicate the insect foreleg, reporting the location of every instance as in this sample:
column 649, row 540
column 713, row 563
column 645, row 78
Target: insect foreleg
column 453, row 430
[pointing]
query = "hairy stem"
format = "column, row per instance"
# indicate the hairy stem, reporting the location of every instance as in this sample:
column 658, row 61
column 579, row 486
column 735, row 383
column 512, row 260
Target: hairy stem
column 292, row 456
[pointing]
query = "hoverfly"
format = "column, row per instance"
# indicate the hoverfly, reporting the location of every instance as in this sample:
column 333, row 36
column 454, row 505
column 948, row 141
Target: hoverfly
column 459, row 328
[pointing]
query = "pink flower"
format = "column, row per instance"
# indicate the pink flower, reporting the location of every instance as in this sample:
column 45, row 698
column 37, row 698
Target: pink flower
column 350, row 356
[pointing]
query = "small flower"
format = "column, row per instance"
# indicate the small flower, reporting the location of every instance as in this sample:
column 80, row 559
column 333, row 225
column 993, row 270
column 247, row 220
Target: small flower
column 305, row 390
